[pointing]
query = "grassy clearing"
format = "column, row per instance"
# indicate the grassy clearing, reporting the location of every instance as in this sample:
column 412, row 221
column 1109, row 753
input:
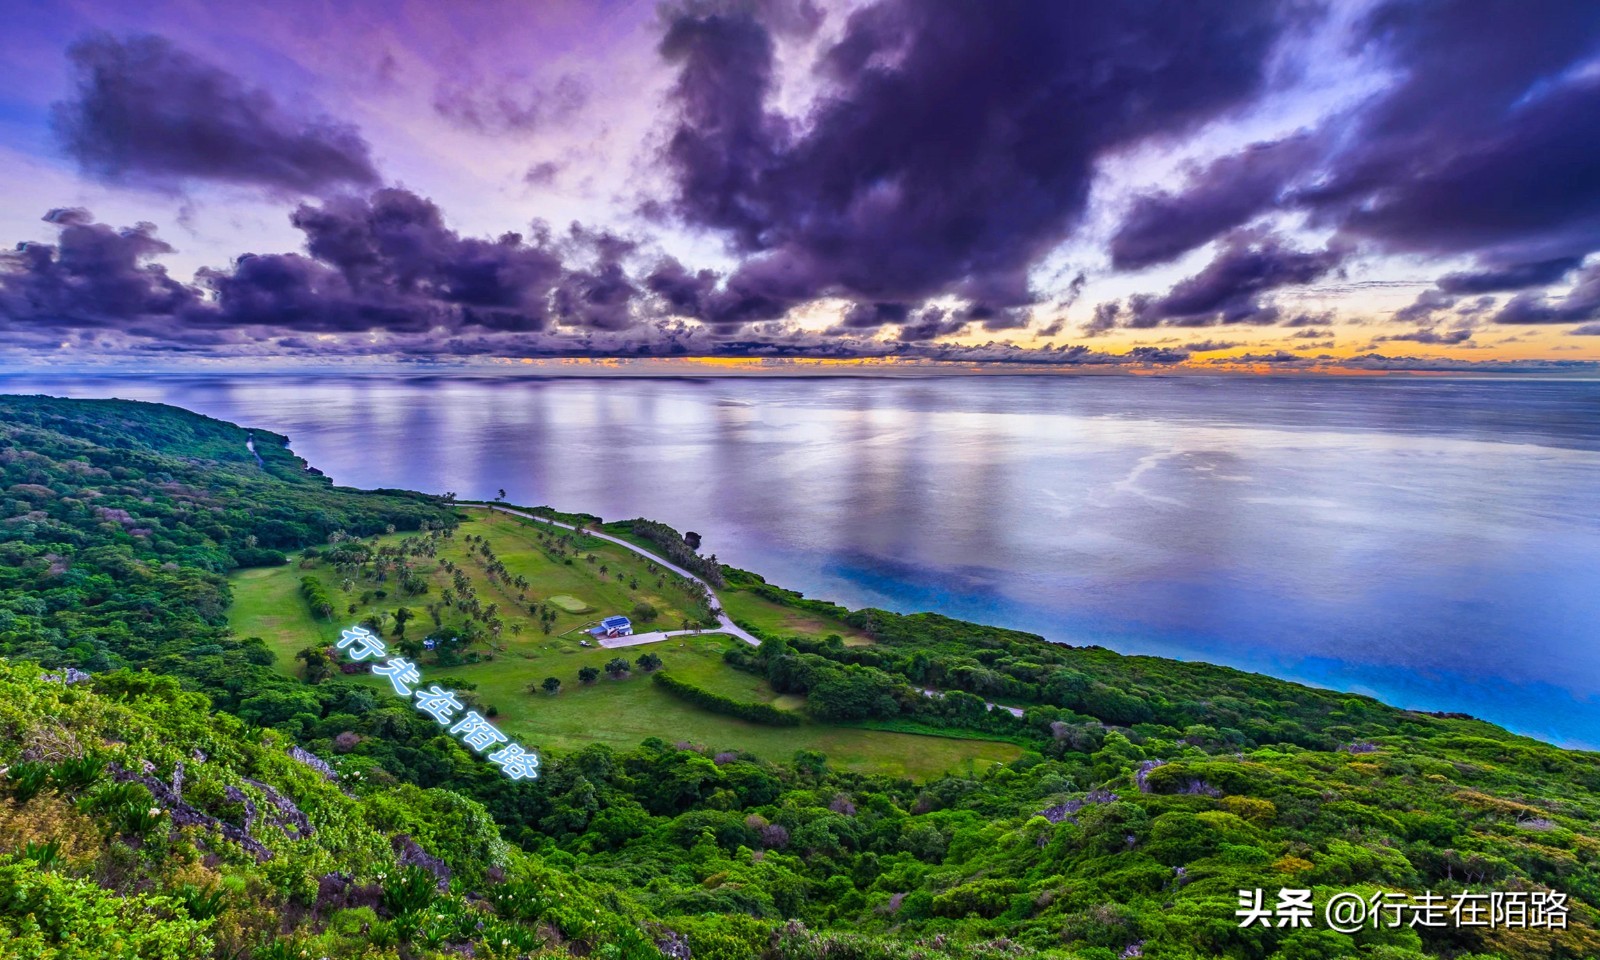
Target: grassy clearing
column 745, row 606
column 569, row 604
column 267, row 601
column 620, row 713
column 267, row 604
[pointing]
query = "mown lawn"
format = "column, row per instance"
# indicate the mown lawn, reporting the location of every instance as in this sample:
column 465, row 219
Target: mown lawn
column 267, row 604
column 621, row 713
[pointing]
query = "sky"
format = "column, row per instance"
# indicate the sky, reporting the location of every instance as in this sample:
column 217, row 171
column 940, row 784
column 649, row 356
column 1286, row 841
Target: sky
column 1339, row 187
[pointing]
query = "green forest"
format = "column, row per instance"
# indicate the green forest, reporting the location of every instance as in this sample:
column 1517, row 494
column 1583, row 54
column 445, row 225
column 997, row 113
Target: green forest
column 173, row 786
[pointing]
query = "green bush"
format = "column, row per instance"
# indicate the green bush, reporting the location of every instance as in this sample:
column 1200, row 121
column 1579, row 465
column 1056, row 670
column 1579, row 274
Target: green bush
column 717, row 703
column 409, row 890
column 27, row 779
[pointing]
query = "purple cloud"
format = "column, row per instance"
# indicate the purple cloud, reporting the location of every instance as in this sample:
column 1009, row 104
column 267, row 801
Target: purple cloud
column 148, row 113
column 1581, row 303
column 933, row 165
column 1228, row 193
column 93, row 276
column 1229, row 289
column 1501, row 160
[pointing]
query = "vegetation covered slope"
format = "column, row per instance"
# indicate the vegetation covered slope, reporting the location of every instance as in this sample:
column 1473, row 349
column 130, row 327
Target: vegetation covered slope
column 137, row 822
column 1151, row 791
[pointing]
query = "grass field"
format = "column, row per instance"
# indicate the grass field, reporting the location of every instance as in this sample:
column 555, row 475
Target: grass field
column 769, row 617
column 621, row 713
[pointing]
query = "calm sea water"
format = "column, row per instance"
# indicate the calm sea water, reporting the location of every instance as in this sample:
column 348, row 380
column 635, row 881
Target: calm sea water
column 1435, row 543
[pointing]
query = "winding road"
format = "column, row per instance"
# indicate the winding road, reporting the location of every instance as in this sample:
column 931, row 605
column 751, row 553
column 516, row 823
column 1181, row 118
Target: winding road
column 726, row 622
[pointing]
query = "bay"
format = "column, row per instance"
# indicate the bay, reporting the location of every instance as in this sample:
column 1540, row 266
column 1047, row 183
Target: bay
column 1434, row 542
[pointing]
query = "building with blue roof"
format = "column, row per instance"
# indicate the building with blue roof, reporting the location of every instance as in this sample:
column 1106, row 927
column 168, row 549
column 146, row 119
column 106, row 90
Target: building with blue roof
column 613, row 627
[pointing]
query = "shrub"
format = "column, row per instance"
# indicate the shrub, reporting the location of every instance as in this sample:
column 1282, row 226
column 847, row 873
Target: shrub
column 128, row 808
column 26, row 779
column 717, row 703
column 317, row 596
column 409, row 890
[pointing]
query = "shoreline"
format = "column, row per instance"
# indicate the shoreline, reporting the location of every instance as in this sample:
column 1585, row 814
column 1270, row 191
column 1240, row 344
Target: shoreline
column 733, row 629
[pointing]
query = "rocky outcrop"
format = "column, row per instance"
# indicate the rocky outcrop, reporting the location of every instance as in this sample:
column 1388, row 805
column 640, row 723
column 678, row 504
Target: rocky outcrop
column 181, row 814
column 289, row 818
column 1066, row 811
column 408, row 854
column 313, row 761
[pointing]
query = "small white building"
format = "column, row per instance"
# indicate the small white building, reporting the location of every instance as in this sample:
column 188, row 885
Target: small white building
column 613, row 627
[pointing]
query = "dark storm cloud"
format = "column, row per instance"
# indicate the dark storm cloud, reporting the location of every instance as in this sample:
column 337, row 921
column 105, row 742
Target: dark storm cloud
column 1104, row 319
column 683, row 291
column 1230, row 288
column 1422, row 309
column 1484, row 144
column 1516, row 276
column 599, row 297
column 931, row 165
column 386, row 275
column 1163, row 226
column 92, row 276
column 288, row 292
column 1501, row 158
column 932, row 323
column 1581, row 303
column 871, row 316
column 387, row 264
column 145, row 112
column 395, row 252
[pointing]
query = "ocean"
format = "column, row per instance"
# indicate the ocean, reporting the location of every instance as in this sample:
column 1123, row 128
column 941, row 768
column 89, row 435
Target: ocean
column 1434, row 542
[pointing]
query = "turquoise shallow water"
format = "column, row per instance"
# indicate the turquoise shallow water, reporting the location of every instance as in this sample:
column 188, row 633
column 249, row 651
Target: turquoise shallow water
column 1433, row 542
